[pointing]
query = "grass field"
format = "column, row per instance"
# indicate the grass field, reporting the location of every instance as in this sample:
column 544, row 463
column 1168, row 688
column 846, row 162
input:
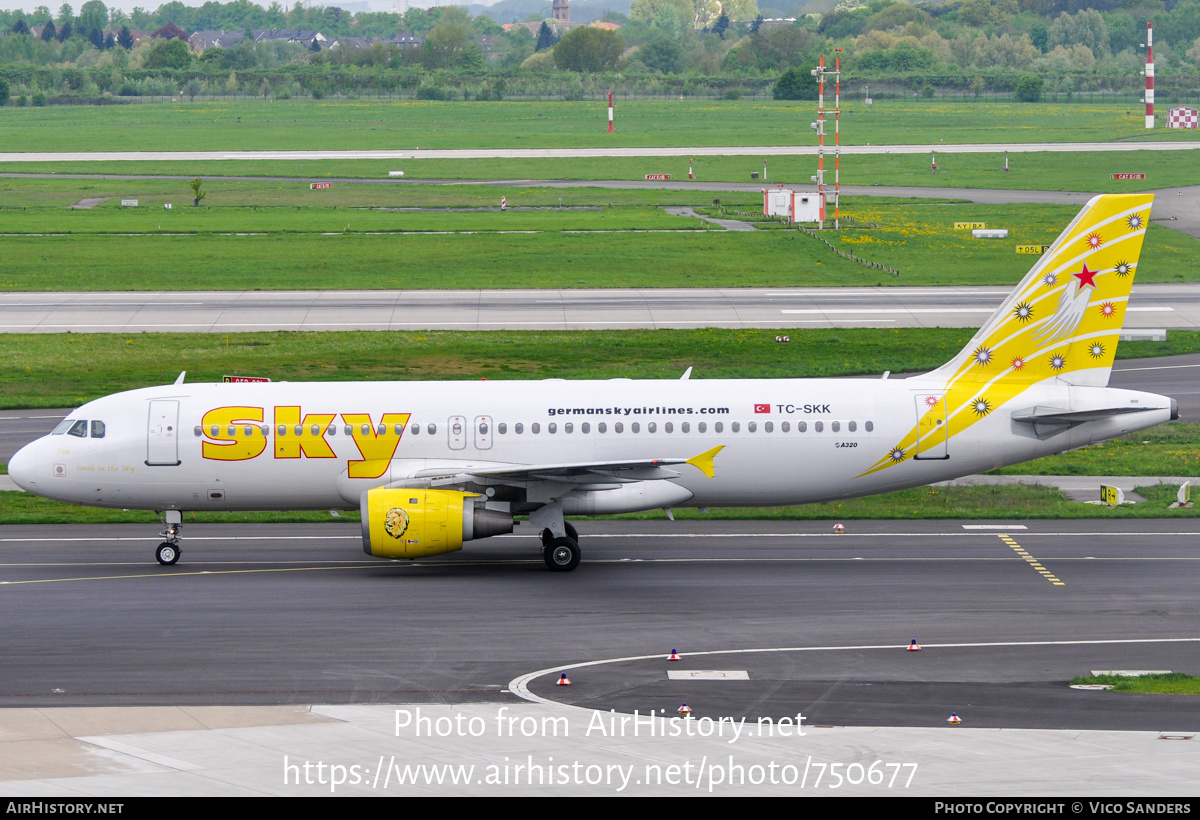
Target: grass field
column 44, row 370
column 272, row 235
column 368, row 124
column 1041, row 171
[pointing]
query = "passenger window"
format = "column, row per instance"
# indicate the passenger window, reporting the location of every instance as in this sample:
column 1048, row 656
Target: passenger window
column 483, row 428
column 266, row 430
column 619, row 427
column 669, row 427
column 381, row 430
column 635, row 427
column 552, row 428
column 518, row 428
column 601, row 428
column 399, row 428
column 316, row 430
column 366, row 430
column 819, row 426
column 63, row 426
column 769, row 427
column 719, row 426
column 752, row 426
column 685, row 427
column 248, row 430
column 214, row 431
column 199, row 431
column 431, row 429
column 78, row 429
column 349, row 430
column 535, row 428
column 785, row 426
column 568, row 427
column 853, row 425
column 414, row 429
column 584, row 428
column 298, row 430
column 231, row 430
column 836, row 426
column 737, row 425
column 652, row 427
column 456, row 429
column 802, row 426
column 502, row 427
column 281, row 429
column 702, row 427
column 97, row 429
column 870, row 426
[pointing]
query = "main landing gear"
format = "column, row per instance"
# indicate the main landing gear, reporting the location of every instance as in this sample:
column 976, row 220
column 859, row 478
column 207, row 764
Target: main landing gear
column 561, row 554
column 168, row 551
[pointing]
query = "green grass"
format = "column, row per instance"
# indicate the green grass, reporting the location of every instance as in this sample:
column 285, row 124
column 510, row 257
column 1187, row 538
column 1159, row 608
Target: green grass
column 1010, row 502
column 1174, row 683
column 1166, row 450
column 47, row 370
column 363, row 124
column 108, row 248
column 1067, row 171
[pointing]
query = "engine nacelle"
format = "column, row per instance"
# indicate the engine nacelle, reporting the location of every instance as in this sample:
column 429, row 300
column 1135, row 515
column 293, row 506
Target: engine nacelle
column 415, row 523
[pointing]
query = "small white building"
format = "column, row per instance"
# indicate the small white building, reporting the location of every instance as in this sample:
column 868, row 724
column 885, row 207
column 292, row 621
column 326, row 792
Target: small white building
column 1182, row 117
column 797, row 206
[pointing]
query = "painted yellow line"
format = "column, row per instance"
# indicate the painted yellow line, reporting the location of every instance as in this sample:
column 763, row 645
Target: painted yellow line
column 1033, row 562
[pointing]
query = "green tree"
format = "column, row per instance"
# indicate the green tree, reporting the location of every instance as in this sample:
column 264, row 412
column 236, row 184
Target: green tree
column 662, row 54
column 449, row 39
column 545, row 38
column 1029, row 88
column 48, row 31
column 197, row 193
column 588, row 49
column 170, row 53
column 797, row 83
column 3, row 91
column 93, row 15
column 125, row 38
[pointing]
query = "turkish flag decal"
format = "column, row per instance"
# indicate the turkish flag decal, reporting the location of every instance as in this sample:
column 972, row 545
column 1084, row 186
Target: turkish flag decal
column 762, row 408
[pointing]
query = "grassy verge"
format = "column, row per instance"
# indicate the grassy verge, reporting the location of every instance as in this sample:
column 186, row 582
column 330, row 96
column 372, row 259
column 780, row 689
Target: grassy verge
column 1009, row 502
column 1175, row 683
column 1169, row 449
column 1037, row 171
column 43, row 370
column 331, row 244
column 223, row 125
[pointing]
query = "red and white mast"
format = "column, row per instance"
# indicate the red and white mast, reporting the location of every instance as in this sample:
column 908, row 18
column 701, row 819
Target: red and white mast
column 821, row 141
column 1149, row 75
column 610, row 113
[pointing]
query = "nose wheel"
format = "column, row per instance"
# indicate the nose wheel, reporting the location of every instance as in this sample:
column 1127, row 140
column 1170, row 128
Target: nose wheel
column 168, row 551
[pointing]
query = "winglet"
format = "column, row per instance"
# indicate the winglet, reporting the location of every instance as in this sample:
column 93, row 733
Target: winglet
column 704, row 461
column 180, row 379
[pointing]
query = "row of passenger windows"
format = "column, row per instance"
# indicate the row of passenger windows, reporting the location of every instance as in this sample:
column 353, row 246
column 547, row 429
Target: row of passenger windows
column 79, row 428
column 535, row 428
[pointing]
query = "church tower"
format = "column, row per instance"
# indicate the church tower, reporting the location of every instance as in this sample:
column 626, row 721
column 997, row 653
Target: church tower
column 562, row 11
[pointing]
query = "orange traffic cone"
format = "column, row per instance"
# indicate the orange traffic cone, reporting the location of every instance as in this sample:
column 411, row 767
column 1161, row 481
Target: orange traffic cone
column 914, row 646
column 674, row 656
column 564, row 680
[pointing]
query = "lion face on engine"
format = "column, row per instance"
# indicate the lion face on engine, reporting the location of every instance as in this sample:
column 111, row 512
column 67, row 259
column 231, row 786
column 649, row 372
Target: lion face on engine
column 396, row 522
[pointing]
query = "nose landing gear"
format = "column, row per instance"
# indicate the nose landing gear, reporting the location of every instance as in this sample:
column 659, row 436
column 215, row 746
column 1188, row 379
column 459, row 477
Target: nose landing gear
column 168, row 551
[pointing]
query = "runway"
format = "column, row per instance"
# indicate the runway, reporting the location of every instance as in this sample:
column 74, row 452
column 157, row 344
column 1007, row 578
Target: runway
column 1170, row 306
column 581, row 153
column 285, row 614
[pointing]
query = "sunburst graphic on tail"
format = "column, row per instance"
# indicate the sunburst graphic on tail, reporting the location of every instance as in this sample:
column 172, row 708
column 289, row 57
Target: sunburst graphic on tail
column 1062, row 322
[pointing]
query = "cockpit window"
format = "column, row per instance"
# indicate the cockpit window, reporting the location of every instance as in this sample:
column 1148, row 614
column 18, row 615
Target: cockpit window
column 79, row 429
column 97, row 429
column 63, row 426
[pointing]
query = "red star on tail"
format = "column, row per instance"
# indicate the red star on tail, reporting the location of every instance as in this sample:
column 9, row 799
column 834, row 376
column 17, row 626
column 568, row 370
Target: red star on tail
column 1086, row 277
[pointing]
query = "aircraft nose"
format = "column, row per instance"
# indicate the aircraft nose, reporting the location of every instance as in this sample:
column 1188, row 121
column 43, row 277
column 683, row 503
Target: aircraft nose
column 22, row 468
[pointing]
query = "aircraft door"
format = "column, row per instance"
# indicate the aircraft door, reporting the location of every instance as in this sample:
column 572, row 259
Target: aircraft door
column 456, row 429
column 483, row 432
column 932, row 429
column 162, row 434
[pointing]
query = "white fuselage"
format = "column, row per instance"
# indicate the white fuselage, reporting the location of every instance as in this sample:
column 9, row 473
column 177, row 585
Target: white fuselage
column 785, row 441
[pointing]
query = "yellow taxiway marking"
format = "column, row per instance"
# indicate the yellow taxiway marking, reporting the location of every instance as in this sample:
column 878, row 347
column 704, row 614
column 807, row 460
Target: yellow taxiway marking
column 1029, row 559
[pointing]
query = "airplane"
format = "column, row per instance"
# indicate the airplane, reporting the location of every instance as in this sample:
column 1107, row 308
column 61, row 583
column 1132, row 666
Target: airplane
column 431, row 465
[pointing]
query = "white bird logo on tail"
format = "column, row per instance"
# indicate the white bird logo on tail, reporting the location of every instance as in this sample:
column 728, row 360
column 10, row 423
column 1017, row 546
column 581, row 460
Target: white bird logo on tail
column 1072, row 304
